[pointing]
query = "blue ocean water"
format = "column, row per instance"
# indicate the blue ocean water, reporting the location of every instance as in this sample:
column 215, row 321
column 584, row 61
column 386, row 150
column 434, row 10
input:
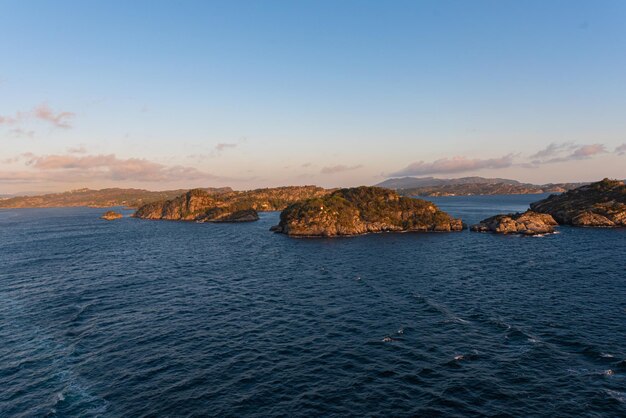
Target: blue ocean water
column 151, row 318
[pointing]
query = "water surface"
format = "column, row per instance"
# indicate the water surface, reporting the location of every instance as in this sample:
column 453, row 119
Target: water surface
column 144, row 318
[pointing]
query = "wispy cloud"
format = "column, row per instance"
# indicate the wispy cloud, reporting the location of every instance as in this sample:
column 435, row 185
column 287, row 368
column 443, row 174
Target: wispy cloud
column 621, row 150
column 21, row 133
column 454, row 165
column 77, row 150
column 11, row 120
column 81, row 168
column 224, row 146
column 339, row 169
column 58, row 119
column 551, row 154
column 553, row 149
column 587, row 151
column 568, row 152
column 43, row 112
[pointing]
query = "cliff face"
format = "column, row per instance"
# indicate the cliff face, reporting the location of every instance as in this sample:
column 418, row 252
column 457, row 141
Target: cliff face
column 527, row 223
column 198, row 205
column 601, row 204
column 361, row 210
column 186, row 207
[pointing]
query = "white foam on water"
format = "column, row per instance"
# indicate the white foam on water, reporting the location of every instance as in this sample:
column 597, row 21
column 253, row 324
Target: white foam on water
column 620, row 396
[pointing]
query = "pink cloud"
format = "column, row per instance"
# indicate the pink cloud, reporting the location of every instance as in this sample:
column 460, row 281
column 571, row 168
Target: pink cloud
column 574, row 152
column 454, row 165
column 41, row 112
column 339, row 168
column 58, row 119
column 75, row 168
column 587, row 151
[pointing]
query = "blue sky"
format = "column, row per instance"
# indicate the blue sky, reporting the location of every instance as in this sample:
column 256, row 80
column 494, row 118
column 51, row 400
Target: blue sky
column 159, row 94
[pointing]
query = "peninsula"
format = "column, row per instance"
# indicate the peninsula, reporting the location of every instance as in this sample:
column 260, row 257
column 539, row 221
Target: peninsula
column 233, row 206
column 600, row 204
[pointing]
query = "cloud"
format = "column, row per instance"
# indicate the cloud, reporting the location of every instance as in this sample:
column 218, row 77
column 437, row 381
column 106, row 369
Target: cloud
column 554, row 149
column 224, row 145
column 574, row 152
column 306, row 165
column 621, row 150
column 58, row 119
column 339, row 169
column 77, row 150
column 587, row 151
column 74, row 168
column 454, row 165
column 43, row 113
column 12, row 120
column 21, row 133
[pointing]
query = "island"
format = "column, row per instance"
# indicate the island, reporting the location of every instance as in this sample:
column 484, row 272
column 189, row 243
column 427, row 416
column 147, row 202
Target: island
column 234, row 206
column 362, row 210
column 111, row 215
column 527, row 223
column 600, row 204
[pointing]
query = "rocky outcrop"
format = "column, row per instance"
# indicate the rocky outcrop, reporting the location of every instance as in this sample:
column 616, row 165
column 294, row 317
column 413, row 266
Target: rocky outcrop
column 226, row 215
column 111, row 215
column 527, row 223
column 362, row 210
column 201, row 206
column 600, row 204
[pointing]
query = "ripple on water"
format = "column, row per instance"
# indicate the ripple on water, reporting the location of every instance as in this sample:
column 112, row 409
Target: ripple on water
column 138, row 318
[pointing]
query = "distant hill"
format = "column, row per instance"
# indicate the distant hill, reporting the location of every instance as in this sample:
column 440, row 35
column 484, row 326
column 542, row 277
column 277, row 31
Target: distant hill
column 132, row 198
column 431, row 186
column 413, row 182
column 487, row 189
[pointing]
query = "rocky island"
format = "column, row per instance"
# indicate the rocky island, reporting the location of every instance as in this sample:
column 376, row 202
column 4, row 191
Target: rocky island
column 233, row 206
column 527, row 223
column 600, row 204
column 362, row 210
column 111, row 215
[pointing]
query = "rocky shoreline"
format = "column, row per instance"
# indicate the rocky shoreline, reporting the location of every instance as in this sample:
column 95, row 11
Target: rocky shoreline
column 201, row 206
column 111, row 215
column 310, row 211
column 600, row 204
column 527, row 223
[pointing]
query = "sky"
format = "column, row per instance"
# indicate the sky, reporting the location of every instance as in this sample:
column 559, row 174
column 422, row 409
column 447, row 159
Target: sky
column 180, row 94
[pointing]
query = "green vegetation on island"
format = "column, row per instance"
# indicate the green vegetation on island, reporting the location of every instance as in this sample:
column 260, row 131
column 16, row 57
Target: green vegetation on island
column 362, row 210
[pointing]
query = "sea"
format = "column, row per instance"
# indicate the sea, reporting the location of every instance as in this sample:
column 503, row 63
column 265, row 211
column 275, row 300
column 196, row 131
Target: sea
column 140, row 318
